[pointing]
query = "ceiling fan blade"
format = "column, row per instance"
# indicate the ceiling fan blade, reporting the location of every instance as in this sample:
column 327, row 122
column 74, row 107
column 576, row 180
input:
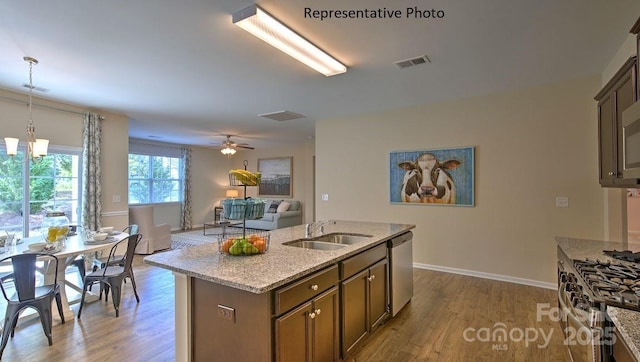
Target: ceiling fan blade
column 242, row 146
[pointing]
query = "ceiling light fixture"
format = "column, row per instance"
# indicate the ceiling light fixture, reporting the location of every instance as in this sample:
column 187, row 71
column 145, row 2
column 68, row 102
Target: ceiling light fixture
column 228, row 151
column 262, row 25
column 36, row 148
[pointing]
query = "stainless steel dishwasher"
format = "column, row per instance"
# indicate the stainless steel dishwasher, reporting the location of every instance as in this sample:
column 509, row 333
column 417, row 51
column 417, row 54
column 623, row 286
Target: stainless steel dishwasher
column 401, row 271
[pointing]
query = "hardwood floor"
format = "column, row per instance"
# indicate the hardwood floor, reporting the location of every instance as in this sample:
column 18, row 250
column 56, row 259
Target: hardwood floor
column 431, row 328
column 143, row 332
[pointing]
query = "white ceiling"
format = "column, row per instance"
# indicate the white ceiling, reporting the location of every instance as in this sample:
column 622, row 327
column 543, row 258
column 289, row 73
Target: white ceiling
column 184, row 73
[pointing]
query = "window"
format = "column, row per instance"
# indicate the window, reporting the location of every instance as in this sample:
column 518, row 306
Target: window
column 50, row 184
column 154, row 179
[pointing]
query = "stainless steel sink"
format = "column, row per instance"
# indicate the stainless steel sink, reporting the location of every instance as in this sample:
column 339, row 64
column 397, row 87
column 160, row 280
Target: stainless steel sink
column 331, row 241
column 316, row 245
column 341, row 238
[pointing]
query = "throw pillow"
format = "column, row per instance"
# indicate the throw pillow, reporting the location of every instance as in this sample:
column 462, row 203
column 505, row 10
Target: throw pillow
column 284, row 206
column 273, row 208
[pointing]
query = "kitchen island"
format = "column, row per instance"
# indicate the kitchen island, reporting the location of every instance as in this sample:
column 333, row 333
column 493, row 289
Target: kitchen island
column 627, row 322
column 246, row 307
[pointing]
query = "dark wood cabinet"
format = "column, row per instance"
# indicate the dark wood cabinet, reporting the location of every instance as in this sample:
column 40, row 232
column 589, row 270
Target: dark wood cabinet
column 307, row 318
column 616, row 96
column 309, row 332
column 365, row 297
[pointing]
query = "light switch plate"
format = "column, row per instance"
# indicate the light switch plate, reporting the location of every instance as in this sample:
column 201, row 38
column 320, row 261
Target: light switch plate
column 325, row 197
column 562, row 201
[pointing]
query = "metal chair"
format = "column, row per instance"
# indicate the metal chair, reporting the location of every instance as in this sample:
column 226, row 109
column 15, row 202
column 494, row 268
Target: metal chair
column 28, row 294
column 112, row 276
column 99, row 263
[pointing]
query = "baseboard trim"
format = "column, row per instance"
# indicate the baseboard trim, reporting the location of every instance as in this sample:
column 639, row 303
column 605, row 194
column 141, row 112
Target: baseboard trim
column 472, row 273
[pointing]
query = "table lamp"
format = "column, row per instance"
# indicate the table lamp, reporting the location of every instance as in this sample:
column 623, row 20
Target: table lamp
column 232, row 193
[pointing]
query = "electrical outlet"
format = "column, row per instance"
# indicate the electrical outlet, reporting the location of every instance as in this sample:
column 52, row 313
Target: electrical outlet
column 562, row 201
column 227, row 313
column 116, row 198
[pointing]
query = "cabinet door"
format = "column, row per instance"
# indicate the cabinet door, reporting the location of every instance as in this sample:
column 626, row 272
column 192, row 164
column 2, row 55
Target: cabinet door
column 624, row 95
column 293, row 335
column 354, row 310
column 613, row 99
column 606, row 146
column 378, row 293
column 326, row 338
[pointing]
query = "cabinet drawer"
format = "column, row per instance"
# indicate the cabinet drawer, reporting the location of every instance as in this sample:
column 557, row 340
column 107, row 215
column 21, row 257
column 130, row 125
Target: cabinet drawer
column 362, row 261
column 305, row 289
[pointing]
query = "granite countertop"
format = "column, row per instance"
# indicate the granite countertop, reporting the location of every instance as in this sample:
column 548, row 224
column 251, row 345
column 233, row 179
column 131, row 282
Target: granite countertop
column 280, row 265
column 626, row 321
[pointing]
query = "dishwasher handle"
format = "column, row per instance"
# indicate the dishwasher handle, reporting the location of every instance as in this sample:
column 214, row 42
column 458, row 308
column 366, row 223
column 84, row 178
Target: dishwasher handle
column 400, row 239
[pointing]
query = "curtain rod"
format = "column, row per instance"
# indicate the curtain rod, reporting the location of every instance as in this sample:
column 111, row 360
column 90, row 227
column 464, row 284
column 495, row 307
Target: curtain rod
column 14, row 100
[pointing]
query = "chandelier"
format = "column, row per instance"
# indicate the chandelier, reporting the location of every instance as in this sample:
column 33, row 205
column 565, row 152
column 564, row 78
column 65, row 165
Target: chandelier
column 36, row 147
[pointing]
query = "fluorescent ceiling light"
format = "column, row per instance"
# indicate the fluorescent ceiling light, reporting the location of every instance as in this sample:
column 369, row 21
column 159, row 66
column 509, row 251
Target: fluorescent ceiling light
column 259, row 23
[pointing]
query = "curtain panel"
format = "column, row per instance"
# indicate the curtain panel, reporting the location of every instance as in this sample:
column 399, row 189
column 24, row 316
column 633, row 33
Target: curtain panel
column 185, row 211
column 91, row 174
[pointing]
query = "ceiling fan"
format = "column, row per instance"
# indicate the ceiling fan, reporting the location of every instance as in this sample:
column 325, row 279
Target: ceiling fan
column 230, row 146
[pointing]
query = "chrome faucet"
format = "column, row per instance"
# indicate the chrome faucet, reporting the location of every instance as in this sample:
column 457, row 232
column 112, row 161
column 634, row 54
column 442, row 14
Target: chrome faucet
column 310, row 229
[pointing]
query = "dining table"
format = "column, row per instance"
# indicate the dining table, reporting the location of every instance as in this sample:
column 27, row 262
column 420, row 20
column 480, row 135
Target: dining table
column 67, row 251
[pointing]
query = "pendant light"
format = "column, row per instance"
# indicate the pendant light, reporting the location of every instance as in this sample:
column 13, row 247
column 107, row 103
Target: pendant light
column 36, row 147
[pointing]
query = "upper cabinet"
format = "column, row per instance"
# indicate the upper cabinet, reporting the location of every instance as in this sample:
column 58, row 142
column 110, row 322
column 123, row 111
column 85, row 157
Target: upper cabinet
column 616, row 96
column 619, row 93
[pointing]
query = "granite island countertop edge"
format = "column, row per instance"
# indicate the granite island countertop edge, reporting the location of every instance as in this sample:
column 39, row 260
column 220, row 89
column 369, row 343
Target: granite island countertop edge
column 280, row 265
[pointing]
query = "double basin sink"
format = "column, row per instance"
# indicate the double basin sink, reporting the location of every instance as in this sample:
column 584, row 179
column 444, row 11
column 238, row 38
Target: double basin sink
column 332, row 241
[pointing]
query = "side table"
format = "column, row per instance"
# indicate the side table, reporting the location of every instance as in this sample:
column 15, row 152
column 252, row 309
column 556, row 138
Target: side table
column 219, row 224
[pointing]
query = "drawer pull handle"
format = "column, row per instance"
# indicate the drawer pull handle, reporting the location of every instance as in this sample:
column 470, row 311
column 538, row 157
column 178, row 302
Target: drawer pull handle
column 314, row 287
column 371, row 278
column 312, row 315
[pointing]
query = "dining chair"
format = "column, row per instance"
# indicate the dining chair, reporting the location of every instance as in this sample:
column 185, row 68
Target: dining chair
column 28, row 293
column 99, row 263
column 112, row 276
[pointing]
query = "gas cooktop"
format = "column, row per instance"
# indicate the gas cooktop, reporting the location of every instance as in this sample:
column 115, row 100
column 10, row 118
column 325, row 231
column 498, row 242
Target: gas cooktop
column 616, row 284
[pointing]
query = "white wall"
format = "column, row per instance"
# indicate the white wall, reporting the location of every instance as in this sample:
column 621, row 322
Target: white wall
column 531, row 145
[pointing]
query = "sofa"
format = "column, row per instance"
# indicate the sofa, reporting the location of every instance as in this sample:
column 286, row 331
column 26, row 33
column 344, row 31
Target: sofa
column 278, row 214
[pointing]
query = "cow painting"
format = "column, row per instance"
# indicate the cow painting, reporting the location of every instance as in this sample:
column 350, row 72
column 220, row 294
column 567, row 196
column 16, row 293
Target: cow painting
column 427, row 180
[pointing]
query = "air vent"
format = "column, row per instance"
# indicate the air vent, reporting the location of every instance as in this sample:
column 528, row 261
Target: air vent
column 36, row 88
column 282, row 115
column 413, row 61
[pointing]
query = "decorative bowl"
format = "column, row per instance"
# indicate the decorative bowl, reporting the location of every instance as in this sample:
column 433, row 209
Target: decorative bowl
column 251, row 243
column 35, row 247
column 100, row 236
column 106, row 229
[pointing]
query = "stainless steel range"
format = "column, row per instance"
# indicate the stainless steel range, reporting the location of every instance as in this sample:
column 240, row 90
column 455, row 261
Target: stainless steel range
column 585, row 289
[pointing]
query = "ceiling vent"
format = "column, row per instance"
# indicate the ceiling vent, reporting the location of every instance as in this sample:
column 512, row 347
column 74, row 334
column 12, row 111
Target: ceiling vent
column 282, row 115
column 413, row 61
column 36, row 88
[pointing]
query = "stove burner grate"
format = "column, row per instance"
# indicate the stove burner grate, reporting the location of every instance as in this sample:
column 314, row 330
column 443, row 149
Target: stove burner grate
column 615, row 284
column 626, row 255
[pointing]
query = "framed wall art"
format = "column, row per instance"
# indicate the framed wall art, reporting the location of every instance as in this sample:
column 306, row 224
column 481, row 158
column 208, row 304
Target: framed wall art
column 277, row 176
column 432, row 177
